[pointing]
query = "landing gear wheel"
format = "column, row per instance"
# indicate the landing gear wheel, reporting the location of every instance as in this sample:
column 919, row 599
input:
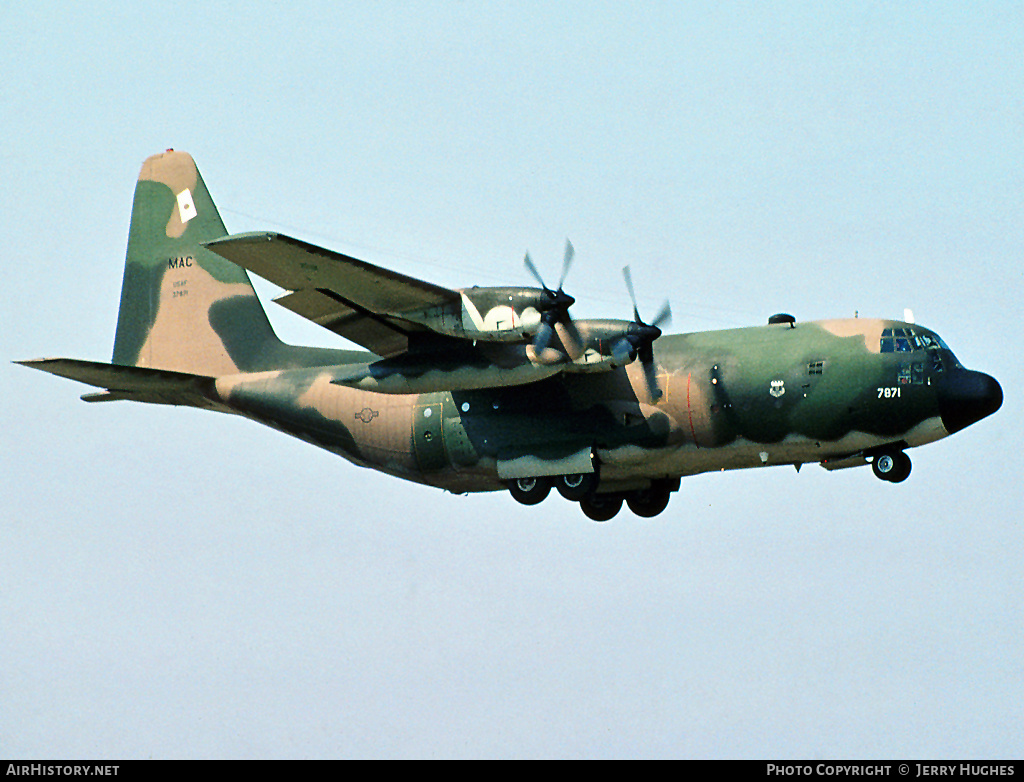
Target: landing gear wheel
column 883, row 465
column 902, row 468
column 601, row 507
column 648, row 503
column 575, row 487
column 529, row 491
column 892, row 466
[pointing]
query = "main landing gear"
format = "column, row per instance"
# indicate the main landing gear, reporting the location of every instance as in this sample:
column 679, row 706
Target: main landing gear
column 645, row 503
column 529, row 491
column 891, row 465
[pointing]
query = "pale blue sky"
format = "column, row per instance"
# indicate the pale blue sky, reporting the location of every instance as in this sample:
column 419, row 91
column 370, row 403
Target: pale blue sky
column 179, row 584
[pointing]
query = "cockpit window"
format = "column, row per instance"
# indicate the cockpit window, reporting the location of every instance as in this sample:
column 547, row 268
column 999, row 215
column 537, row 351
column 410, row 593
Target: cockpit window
column 895, row 341
column 903, row 340
column 907, row 341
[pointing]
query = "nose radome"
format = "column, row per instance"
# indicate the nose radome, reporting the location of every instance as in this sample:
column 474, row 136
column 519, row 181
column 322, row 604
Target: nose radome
column 966, row 397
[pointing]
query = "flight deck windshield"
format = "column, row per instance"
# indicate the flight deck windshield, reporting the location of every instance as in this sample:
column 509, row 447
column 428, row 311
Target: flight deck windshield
column 906, row 340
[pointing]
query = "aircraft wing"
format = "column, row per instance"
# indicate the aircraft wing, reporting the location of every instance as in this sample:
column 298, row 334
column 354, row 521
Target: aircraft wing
column 352, row 298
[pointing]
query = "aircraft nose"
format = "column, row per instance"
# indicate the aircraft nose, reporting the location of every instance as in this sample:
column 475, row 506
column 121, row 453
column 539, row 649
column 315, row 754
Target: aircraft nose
column 966, row 397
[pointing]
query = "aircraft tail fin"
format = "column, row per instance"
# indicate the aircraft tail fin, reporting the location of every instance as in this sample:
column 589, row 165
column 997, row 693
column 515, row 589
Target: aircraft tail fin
column 183, row 308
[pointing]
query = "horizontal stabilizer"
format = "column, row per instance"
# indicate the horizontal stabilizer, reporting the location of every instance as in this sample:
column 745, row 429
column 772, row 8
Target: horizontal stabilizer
column 140, row 384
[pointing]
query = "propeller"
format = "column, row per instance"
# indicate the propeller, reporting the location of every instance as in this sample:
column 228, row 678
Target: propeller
column 638, row 341
column 555, row 310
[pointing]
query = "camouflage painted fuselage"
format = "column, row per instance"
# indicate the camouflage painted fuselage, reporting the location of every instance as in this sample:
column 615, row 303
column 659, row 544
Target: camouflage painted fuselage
column 778, row 394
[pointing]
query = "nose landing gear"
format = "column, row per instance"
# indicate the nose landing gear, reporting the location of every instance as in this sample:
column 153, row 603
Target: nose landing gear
column 893, row 466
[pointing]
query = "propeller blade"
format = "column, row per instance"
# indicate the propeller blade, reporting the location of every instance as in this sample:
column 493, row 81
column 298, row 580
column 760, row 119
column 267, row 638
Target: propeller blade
column 570, row 253
column 632, row 294
column 623, row 351
column 543, row 337
column 539, row 351
column 651, row 379
column 645, row 353
column 664, row 317
column 528, row 263
column 641, row 339
column 570, row 337
column 554, row 307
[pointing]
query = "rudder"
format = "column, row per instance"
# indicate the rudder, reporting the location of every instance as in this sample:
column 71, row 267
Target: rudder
column 183, row 308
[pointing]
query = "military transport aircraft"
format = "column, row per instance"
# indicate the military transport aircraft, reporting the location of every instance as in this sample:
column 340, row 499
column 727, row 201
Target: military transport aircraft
column 484, row 389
